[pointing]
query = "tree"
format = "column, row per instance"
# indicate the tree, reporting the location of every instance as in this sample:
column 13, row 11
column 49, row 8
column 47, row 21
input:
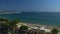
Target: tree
column 4, row 25
column 55, row 31
column 8, row 24
column 14, row 22
column 3, row 19
column 13, row 25
column 23, row 27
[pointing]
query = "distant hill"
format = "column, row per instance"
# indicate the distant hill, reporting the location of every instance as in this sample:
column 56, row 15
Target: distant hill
column 8, row 12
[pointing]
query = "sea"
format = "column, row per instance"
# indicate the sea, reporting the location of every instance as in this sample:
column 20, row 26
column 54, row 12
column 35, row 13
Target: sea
column 46, row 18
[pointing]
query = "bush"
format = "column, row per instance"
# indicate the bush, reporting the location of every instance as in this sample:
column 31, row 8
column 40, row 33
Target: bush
column 55, row 31
column 23, row 27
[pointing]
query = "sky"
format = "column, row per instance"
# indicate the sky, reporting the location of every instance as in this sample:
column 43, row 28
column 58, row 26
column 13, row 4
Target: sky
column 29, row 5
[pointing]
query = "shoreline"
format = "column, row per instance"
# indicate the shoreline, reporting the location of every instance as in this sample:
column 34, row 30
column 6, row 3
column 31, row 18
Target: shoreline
column 40, row 25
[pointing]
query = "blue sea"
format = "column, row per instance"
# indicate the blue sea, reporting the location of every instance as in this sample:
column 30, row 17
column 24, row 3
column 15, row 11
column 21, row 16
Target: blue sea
column 47, row 18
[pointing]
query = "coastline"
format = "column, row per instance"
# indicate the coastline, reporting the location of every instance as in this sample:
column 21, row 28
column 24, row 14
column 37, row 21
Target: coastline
column 40, row 25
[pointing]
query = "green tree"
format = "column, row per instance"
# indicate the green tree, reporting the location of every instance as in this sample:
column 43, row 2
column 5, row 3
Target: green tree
column 5, row 24
column 8, row 24
column 14, row 22
column 3, row 19
column 55, row 31
column 23, row 27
